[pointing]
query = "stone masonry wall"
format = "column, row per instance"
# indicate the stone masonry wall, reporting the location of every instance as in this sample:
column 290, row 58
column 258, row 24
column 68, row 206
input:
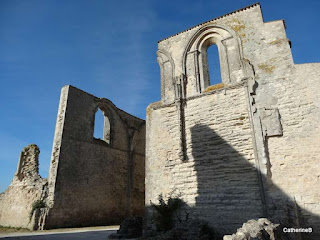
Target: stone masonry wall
column 277, row 137
column 26, row 188
column 218, row 181
column 92, row 182
column 294, row 157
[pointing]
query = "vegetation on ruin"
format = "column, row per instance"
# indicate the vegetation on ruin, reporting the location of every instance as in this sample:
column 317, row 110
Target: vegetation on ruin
column 170, row 225
column 9, row 229
column 165, row 212
column 37, row 205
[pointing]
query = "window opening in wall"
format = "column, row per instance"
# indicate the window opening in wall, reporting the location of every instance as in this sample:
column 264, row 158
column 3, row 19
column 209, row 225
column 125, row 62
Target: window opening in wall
column 214, row 65
column 101, row 126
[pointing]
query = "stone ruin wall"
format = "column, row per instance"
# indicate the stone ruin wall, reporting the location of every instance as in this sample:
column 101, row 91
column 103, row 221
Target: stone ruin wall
column 255, row 135
column 243, row 149
column 294, row 164
column 91, row 181
column 26, row 187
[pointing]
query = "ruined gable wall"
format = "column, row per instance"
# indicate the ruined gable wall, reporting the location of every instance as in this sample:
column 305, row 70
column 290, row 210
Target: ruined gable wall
column 219, row 179
column 92, row 183
column 26, row 188
column 285, row 111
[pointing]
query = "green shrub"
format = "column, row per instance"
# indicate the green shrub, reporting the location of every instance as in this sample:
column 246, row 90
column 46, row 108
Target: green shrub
column 165, row 212
column 37, row 205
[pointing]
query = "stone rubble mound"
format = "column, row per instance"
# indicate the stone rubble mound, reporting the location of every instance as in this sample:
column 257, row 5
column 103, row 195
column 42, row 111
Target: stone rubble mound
column 261, row 229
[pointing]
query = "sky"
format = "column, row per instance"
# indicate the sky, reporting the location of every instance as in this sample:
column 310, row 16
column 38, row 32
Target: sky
column 106, row 48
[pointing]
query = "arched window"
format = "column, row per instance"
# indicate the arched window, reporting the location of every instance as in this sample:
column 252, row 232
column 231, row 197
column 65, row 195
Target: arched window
column 102, row 126
column 214, row 50
column 214, row 65
column 209, row 62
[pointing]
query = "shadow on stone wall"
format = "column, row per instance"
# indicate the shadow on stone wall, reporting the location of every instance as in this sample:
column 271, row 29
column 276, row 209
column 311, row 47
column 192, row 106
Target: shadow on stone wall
column 229, row 192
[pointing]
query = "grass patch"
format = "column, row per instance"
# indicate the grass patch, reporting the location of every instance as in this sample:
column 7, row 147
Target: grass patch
column 12, row 229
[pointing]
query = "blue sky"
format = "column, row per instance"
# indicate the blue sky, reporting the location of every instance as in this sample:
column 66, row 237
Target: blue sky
column 106, row 48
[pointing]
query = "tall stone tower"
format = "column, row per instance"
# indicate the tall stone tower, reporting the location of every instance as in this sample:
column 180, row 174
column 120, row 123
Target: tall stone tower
column 244, row 148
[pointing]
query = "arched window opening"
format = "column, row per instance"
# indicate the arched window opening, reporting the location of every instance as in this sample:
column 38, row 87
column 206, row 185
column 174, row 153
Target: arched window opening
column 99, row 125
column 102, row 126
column 214, row 65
